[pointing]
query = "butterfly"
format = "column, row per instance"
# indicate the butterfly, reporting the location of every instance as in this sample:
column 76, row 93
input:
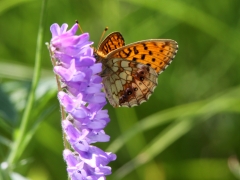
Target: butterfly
column 130, row 72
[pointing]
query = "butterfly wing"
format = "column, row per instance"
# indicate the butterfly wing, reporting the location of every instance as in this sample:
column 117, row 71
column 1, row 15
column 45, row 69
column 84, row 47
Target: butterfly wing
column 157, row 53
column 112, row 42
column 129, row 83
column 130, row 73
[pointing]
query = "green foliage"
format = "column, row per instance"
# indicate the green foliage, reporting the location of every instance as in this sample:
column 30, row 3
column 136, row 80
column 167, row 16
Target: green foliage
column 188, row 130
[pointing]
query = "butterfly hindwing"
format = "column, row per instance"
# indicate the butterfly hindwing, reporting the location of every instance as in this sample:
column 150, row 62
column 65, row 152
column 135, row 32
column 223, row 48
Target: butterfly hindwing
column 129, row 83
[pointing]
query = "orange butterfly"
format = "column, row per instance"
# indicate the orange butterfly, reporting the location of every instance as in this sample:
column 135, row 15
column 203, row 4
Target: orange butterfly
column 130, row 72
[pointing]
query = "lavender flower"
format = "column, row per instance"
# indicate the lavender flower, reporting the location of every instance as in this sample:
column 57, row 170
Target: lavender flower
column 83, row 102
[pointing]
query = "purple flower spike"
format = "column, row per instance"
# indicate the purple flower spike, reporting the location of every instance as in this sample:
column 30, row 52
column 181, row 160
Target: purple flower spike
column 83, row 101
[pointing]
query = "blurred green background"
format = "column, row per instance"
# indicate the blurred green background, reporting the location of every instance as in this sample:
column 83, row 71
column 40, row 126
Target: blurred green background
column 189, row 128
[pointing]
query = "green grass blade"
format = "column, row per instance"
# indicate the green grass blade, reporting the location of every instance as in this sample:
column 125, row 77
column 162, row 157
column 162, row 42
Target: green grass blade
column 225, row 103
column 220, row 103
column 21, row 132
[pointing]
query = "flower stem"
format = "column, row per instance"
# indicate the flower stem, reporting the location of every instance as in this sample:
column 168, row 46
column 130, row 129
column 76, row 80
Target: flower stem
column 63, row 113
column 21, row 131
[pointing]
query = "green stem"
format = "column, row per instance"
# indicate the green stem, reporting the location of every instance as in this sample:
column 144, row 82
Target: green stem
column 63, row 113
column 14, row 153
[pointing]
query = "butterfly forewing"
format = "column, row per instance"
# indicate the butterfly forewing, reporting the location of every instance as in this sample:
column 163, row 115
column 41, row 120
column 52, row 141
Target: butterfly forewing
column 111, row 42
column 154, row 52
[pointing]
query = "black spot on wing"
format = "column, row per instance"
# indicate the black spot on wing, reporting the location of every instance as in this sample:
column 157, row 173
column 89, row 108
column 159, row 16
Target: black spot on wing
column 135, row 50
column 143, row 56
column 145, row 46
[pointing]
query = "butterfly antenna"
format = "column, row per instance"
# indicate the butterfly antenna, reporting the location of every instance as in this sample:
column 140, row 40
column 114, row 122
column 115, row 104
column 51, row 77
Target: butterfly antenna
column 79, row 26
column 105, row 30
